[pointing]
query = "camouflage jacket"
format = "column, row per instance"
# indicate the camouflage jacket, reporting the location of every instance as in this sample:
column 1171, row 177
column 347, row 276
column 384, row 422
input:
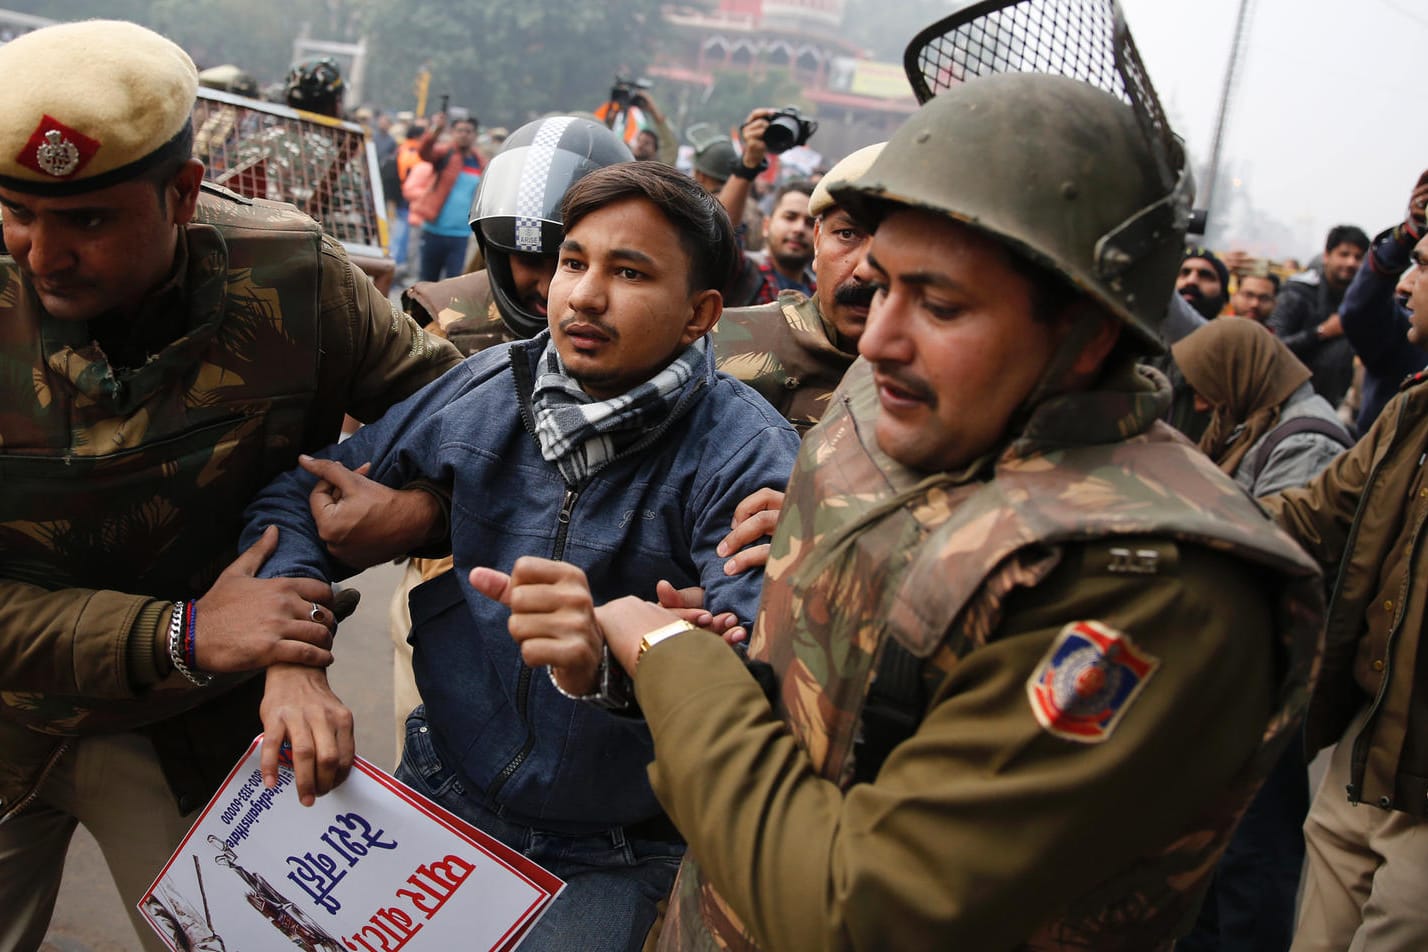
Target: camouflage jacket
column 785, row 352
column 461, row 309
column 123, row 489
column 1043, row 801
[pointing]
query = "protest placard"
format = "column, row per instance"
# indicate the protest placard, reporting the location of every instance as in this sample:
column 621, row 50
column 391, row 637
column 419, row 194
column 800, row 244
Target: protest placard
column 372, row 867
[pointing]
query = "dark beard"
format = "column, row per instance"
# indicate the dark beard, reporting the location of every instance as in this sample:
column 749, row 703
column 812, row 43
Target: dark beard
column 1209, row 308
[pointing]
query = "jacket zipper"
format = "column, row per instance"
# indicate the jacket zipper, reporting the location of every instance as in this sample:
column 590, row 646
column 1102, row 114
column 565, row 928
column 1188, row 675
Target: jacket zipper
column 523, row 381
column 523, row 682
column 29, row 798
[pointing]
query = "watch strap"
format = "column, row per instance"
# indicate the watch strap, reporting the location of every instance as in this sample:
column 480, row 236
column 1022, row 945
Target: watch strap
column 662, row 633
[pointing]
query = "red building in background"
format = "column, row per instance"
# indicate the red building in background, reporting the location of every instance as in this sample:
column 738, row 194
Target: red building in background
column 856, row 100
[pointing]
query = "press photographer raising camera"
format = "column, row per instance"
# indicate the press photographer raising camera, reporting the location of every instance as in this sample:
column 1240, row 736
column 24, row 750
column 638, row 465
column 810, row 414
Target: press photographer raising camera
column 760, row 279
column 632, row 114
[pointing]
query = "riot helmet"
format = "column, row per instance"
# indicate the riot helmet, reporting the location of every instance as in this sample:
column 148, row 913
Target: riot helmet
column 517, row 207
column 316, row 86
column 1061, row 152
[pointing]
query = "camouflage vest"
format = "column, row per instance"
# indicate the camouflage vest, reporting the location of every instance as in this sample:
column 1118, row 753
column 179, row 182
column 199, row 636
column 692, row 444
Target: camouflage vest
column 135, row 480
column 783, row 351
column 461, row 309
column 867, row 550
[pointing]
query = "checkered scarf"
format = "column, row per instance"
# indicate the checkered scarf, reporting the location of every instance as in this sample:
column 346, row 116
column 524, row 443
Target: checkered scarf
column 580, row 434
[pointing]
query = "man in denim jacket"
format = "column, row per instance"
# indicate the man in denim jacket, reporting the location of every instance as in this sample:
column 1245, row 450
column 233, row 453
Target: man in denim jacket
column 609, row 442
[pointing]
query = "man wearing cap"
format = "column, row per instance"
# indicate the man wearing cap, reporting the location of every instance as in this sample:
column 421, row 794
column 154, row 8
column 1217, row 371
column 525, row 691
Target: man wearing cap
column 1029, row 652
column 712, row 164
column 170, row 347
column 795, row 350
column 1203, row 282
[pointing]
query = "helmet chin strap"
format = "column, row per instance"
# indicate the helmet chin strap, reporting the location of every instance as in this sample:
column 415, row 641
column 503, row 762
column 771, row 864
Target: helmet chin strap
column 1054, row 380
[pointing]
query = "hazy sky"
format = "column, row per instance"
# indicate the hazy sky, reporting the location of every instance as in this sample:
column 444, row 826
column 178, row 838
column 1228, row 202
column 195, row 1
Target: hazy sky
column 1329, row 117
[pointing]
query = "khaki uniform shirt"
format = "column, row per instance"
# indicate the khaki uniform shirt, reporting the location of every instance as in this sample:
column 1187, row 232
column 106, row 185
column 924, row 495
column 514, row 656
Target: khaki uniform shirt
column 786, row 352
column 994, row 825
column 123, row 489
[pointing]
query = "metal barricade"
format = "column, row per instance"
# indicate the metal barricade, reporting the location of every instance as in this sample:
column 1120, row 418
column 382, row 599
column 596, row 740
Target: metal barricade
column 326, row 167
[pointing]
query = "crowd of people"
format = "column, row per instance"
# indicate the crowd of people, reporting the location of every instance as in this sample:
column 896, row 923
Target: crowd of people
column 857, row 591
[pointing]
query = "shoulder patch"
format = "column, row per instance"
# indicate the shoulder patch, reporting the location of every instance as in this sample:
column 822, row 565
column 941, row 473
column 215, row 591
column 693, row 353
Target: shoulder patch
column 1088, row 679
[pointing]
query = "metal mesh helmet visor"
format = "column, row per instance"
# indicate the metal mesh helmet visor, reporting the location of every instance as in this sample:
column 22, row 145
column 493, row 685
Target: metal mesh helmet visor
column 517, row 207
column 1128, row 262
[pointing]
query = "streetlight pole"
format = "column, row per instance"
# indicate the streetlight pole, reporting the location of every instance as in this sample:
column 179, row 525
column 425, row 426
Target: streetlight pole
column 1222, row 117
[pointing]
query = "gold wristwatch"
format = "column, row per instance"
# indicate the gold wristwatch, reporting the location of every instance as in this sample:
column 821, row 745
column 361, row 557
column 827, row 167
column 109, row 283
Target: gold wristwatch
column 660, row 634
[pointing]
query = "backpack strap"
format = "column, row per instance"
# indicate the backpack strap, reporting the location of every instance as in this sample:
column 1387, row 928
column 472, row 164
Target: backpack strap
column 1284, row 431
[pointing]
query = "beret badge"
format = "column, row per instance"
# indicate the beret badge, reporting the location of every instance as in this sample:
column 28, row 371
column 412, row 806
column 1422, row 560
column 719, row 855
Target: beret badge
column 57, row 155
column 57, row 150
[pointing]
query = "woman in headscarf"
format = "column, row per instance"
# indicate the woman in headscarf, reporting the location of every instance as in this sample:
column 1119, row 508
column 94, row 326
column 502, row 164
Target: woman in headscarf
column 1269, row 430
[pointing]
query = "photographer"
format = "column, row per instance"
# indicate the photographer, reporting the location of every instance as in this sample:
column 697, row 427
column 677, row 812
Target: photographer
column 625, row 112
column 771, row 131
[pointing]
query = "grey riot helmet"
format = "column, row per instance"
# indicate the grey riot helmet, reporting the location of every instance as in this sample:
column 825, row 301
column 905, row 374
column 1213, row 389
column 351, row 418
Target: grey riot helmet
column 1040, row 128
column 517, row 207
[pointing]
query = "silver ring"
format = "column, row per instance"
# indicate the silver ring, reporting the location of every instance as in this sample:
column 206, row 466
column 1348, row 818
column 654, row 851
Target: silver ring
column 316, row 613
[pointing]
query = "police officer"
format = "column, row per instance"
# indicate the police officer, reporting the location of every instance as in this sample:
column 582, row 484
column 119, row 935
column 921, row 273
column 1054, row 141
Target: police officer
column 169, row 348
column 1084, row 644
column 795, row 350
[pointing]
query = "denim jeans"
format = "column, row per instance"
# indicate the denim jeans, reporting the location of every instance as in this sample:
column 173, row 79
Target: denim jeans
column 613, row 884
column 442, row 256
column 401, row 232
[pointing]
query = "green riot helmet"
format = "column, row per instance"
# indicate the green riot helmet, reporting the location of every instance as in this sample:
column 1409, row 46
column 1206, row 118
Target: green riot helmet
column 517, row 206
column 1054, row 168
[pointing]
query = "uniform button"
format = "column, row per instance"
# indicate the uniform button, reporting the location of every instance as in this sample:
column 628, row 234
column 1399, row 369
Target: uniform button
column 1378, row 665
column 421, row 730
column 1388, row 605
column 1385, row 802
column 1423, row 492
column 792, row 383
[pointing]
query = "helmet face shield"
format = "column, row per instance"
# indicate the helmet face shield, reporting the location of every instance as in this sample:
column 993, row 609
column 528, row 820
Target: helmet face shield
column 1040, row 127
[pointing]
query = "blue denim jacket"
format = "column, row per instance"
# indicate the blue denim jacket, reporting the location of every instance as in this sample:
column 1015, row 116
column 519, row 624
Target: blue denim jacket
column 656, row 512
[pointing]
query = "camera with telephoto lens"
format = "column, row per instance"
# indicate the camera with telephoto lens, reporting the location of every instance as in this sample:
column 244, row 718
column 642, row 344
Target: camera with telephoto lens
column 788, row 128
column 626, row 91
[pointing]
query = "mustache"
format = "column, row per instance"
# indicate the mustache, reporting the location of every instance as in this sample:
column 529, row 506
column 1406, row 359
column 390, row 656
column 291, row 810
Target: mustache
column 854, row 294
column 900, row 378
column 1192, row 293
column 566, row 323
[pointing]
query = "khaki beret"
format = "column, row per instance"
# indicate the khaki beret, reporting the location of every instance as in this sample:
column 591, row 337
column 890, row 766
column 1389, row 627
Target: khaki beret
column 847, row 169
column 91, row 104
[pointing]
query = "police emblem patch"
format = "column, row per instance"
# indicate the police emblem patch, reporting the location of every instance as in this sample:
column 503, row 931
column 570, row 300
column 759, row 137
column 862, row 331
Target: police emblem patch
column 1087, row 680
column 56, row 150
